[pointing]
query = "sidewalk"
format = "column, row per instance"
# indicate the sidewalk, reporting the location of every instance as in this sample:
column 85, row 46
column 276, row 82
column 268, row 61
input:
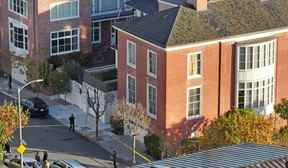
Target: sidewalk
column 84, row 125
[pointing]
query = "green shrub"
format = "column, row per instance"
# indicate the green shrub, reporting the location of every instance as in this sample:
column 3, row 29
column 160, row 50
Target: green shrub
column 117, row 125
column 153, row 144
column 281, row 137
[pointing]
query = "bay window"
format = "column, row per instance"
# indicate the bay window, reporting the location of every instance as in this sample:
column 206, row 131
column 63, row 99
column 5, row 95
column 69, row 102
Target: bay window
column 256, row 55
column 107, row 6
column 18, row 37
column 64, row 42
column 256, row 94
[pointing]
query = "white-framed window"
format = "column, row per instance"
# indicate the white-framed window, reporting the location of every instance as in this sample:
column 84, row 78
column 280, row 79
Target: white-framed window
column 108, row 6
column 19, row 7
column 18, row 37
column 194, row 102
column 131, row 89
column 96, row 32
column 256, row 94
column 67, row 9
column 151, row 63
column 131, row 54
column 65, row 41
column 151, row 100
column 256, row 55
column 194, row 65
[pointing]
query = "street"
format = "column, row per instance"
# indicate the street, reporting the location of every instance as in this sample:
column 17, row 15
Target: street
column 48, row 134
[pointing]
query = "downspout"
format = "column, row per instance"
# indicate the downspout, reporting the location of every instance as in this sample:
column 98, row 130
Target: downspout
column 219, row 80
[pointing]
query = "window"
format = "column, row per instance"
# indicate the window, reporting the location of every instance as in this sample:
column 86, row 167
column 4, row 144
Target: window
column 131, row 54
column 19, row 6
column 66, row 41
column 114, row 37
column 152, row 63
column 18, row 36
column 131, row 89
column 151, row 100
column 257, row 56
column 64, row 10
column 255, row 94
column 194, row 102
column 96, row 32
column 107, row 6
column 194, row 65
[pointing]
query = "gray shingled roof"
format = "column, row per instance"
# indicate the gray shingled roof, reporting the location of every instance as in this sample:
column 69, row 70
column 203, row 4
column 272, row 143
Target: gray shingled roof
column 182, row 25
column 237, row 156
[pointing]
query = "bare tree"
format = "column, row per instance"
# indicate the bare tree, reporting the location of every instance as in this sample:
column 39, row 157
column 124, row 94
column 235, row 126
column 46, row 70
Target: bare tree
column 134, row 120
column 99, row 107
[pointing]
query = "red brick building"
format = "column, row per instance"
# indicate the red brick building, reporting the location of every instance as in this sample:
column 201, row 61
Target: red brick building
column 53, row 28
column 189, row 65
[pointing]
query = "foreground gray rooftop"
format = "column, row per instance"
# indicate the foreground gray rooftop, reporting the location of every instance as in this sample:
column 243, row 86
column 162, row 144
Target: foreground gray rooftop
column 237, row 156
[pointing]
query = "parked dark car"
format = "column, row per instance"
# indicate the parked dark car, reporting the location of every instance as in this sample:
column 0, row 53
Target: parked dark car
column 36, row 107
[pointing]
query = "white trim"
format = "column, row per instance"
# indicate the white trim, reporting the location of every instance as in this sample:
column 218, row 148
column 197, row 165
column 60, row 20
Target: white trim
column 154, row 116
column 127, row 89
column 235, row 38
column 127, row 57
column 168, row 3
column 64, row 18
column 27, row 9
column 66, row 52
column 100, row 32
column 187, row 102
column 189, row 77
column 148, row 63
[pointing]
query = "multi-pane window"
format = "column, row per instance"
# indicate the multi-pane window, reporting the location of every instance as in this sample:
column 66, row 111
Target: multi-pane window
column 255, row 94
column 66, row 41
column 152, row 63
column 96, row 32
column 257, row 56
column 194, row 64
column 151, row 100
column 131, row 89
column 18, row 36
column 64, row 10
column 19, row 6
column 194, row 102
column 107, row 6
column 131, row 54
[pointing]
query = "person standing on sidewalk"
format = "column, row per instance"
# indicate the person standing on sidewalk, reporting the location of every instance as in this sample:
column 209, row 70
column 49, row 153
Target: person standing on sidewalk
column 72, row 123
column 114, row 157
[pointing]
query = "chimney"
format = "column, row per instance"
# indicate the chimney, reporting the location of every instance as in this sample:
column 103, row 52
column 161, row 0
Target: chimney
column 199, row 5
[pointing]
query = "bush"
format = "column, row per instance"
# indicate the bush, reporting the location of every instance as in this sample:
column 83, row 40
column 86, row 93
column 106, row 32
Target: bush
column 189, row 146
column 117, row 126
column 73, row 70
column 153, row 144
column 281, row 138
column 59, row 82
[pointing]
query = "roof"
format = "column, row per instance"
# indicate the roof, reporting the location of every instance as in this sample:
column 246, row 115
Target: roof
column 223, row 18
column 237, row 156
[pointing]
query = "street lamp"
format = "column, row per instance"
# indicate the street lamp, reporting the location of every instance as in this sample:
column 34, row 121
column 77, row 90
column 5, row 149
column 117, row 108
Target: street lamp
column 19, row 112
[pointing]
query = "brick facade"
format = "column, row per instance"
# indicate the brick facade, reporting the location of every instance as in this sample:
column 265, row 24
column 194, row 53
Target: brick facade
column 218, row 82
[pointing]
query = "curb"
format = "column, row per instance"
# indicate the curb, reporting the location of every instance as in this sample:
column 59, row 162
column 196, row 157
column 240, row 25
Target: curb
column 9, row 95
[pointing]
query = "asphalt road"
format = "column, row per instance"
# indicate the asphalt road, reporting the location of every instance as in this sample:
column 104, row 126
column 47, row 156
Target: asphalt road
column 50, row 135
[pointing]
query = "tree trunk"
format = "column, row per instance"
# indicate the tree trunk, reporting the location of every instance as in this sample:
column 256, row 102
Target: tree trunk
column 97, row 126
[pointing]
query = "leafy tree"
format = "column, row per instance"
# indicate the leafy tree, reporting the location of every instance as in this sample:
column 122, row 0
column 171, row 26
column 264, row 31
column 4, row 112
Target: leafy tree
column 238, row 126
column 281, row 137
column 282, row 109
column 59, row 81
column 134, row 119
column 9, row 121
